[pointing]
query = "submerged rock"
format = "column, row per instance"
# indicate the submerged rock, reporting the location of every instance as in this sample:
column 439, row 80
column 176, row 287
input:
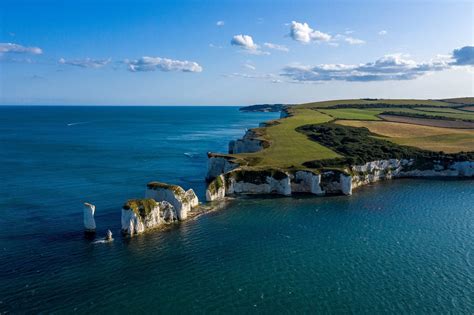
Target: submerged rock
column 182, row 201
column 108, row 236
column 89, row 221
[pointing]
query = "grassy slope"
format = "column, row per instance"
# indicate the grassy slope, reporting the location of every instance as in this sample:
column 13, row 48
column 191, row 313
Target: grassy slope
column 291, row 149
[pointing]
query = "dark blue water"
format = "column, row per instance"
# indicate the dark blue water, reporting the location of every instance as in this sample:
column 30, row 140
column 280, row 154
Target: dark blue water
column 404, row 246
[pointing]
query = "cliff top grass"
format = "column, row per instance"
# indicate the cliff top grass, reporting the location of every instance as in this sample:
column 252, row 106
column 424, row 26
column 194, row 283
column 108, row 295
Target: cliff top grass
column 289, row 148
column 177, row 190
column 141, row 207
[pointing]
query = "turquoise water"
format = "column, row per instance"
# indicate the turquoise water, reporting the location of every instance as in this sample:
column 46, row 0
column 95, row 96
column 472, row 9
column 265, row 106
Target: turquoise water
column 404, row 246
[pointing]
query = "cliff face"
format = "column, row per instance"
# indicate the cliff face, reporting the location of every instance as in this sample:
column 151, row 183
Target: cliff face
column 183, row 201
column 217, row 165
column 239, row 181
column 248, row 144
column 138, row 215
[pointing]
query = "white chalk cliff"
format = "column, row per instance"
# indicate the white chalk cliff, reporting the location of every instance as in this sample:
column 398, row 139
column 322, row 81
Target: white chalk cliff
column 183, row 201
column 240, row 181
column 217, row 165
column 247, row 144
column 138, row 215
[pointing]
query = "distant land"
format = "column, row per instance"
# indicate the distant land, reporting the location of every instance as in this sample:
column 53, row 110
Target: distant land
column 263, row 108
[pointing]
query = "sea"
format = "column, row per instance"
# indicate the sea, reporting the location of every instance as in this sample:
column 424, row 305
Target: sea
column 397, row 247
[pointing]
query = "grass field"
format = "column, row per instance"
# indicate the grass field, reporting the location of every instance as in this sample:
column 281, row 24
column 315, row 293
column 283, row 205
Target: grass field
column 424, row 137
column 290, row 149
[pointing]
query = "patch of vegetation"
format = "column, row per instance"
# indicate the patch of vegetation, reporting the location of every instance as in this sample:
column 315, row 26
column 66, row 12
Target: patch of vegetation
column 359, row 146
column 141, row 207
column 257, row 176
column 177, row 190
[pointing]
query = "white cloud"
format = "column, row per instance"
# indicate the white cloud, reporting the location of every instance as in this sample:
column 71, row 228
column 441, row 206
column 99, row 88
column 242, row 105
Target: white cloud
column 249, row 66
column 389, row 67
column 301, row 32
column 383, row 32
column 463, row 56
column 19, row 49
column 266, row 76
column 220, row 23
column 162, row 64
column 246, row 42
column 276, row 47
column 354, row 41
column 348, row 39
column 85, row 63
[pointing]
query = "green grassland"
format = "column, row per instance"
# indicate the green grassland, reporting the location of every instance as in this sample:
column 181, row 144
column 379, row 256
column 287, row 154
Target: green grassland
column 291, row 148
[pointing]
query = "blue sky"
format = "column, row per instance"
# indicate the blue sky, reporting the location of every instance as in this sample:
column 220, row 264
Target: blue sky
column 233, row 52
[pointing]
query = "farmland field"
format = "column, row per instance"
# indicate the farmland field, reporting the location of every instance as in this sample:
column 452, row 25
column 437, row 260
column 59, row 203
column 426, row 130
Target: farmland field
column 424, row 137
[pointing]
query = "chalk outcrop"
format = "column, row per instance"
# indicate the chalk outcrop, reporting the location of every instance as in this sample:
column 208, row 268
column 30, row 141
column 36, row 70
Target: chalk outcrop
column 306, row 182
column 182, row 201
column 217, row 165
column 138, row 215
column 248, row 144
column 89, row 221
column 216, row 189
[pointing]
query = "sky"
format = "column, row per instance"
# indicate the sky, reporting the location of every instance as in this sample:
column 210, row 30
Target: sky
column 232, row 52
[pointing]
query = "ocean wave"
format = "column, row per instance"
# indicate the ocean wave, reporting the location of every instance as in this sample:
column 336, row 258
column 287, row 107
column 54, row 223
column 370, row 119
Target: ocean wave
column 78, row 123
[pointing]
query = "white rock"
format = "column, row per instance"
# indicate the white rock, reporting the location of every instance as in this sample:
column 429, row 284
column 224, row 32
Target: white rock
column 89, row 221
column 306, row 182
column 346, row 184
column 248, row 144
column 216, row 189
column 182, row 201
column 135, row 223
column 269, row 186
column 217, row 166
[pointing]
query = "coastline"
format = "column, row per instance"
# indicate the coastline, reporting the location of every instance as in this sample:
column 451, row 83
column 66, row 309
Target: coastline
column 227, row 176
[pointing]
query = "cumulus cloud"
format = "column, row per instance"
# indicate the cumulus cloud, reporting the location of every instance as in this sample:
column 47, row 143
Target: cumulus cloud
column 463, row 56
column 85, row 63
column 276, row 47
column 246, row 43
column 19, row 49
column 302, row 32
column 389, row 67
column 162, row 64
column 383, row 32
column 220, row 23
